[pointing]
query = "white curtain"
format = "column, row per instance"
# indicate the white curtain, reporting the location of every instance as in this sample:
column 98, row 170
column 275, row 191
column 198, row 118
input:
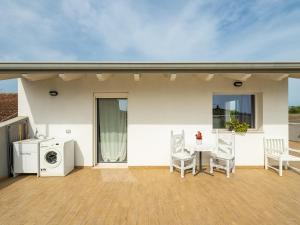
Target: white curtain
column 113, row 129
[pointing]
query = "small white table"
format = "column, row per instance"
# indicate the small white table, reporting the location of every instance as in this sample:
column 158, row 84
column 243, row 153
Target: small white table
column 199, row 148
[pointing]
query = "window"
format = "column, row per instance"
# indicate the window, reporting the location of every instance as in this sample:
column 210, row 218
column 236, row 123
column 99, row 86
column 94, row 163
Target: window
column 240, row 107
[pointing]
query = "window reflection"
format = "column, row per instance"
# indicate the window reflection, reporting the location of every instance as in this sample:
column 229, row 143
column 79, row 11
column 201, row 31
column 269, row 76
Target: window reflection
column 240, row 107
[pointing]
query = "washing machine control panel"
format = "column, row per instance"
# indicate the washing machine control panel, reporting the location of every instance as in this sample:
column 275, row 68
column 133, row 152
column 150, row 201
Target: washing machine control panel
column 49, row 144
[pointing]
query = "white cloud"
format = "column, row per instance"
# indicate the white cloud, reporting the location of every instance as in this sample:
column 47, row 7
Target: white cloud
column 270, row 36
column 194, row 32
column 26, row 34
column 122, row 26
column 215, row 30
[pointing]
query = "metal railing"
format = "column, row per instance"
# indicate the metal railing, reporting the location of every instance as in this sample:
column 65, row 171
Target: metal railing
column 11, row 130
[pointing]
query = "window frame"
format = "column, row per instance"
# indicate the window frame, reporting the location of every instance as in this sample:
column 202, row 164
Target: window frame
column 256, row 96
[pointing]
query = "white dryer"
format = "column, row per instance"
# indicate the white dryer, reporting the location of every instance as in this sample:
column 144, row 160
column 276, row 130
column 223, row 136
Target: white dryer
column 56, row 157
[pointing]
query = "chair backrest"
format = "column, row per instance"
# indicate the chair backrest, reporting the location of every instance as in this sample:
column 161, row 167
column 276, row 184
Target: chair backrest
column 274, row 146
column 177, row 142
column 225, row 143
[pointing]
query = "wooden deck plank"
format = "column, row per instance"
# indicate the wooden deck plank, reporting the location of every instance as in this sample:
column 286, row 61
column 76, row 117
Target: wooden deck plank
column 152, row 196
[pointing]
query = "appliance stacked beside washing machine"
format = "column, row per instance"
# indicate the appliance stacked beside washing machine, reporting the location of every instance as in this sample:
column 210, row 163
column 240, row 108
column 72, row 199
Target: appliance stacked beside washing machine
column 26, row 156
column 56, row 157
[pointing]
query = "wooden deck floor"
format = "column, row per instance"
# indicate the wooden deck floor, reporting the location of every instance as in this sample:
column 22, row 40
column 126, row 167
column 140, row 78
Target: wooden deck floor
column 152, row 196
column 294, row 144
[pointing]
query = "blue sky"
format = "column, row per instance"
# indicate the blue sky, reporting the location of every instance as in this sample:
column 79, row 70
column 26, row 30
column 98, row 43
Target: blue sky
column 206, row 30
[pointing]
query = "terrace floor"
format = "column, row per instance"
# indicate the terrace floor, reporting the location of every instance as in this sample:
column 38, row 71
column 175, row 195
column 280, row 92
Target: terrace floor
column 151, row 196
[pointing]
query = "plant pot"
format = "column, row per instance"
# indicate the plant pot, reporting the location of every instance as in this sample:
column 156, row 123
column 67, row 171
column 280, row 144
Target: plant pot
column 198, row 141
column 230, row 128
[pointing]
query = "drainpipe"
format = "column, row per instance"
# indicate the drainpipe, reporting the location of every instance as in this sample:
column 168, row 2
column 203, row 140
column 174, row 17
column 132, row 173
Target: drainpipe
column 26, row 129
column 9, row 152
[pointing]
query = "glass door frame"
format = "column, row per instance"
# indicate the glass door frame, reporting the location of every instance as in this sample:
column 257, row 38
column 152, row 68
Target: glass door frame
column 96, row 96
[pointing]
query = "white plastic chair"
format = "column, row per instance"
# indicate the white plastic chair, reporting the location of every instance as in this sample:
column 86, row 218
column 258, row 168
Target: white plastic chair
column 181, row 158
column 276, row 150
column 223, row 157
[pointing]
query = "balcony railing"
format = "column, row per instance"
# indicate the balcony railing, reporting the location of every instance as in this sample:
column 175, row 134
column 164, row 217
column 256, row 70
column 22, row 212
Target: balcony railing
column 294, row 131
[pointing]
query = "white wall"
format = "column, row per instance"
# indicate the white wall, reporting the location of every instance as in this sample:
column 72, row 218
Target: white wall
column 155, row 107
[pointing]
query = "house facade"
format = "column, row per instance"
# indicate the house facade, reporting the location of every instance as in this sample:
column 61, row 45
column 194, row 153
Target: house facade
column 124, row 112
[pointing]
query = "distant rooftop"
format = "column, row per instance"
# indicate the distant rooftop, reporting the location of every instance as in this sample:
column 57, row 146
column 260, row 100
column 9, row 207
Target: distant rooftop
column 8, row 106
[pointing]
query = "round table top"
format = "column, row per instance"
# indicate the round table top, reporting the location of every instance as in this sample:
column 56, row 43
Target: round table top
column 200, row 147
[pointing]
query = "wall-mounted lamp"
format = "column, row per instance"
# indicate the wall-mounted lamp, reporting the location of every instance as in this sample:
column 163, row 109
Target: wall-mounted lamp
column 53, row 93
column 238, row 84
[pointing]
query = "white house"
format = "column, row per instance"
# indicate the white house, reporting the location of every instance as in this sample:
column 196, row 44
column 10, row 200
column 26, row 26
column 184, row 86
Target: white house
column 124, row 111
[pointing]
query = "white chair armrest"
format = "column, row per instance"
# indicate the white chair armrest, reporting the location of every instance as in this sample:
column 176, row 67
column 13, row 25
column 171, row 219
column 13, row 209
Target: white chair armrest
column 214, row 152
column 189, row 151
column 294, row 150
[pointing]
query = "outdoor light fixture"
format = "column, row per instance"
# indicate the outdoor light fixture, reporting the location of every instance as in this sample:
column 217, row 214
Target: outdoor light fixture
column 238, row 84
column 53, row 93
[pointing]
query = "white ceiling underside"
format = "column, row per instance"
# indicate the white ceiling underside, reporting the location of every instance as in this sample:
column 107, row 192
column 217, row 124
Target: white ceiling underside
column 69, row 76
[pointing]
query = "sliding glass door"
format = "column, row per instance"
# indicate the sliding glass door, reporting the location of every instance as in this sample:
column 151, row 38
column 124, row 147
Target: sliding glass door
column 112, row 130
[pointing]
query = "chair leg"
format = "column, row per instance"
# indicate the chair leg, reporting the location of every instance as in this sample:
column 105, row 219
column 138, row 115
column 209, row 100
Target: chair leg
column 233, row 166
column 280, row 167
column 182, row 168
column 171, row 166
column 194, row 165
column 227, row 168
column 286, row 165
column 266, row 162
column 211, row 165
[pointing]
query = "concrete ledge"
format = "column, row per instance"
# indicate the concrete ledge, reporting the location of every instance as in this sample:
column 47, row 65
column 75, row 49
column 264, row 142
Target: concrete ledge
column 12, row 121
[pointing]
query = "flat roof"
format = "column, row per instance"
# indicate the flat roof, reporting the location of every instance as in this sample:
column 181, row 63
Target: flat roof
column 128, row 66
column 10, row 70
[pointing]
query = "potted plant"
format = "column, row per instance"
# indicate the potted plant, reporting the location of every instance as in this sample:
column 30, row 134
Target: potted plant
column 237, row 126
column 198, row 138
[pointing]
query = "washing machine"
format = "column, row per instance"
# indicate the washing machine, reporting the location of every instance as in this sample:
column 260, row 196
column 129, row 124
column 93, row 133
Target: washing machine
column 56, row 157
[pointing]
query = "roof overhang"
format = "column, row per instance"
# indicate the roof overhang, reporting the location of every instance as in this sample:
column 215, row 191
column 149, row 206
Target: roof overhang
column 279, row 70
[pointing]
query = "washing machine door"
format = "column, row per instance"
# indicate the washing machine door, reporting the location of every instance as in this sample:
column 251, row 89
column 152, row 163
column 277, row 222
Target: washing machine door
column 52, row 158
